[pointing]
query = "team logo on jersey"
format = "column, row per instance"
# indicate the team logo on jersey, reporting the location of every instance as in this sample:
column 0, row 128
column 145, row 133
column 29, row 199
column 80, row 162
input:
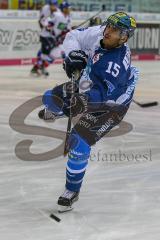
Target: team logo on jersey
column 110, row 86
column 82, row 29
column 97, row 57
column 62, row 26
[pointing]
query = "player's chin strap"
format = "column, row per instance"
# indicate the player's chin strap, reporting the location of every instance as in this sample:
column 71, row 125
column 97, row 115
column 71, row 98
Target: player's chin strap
column 75, row 76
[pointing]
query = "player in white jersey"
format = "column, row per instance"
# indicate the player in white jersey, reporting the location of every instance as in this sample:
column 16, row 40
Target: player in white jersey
column 54, row 27
column 48, row 11
column 61, row 28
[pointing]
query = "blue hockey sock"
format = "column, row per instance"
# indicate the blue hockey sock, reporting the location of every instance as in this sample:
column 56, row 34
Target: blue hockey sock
column 77, row 162
column 50, row 103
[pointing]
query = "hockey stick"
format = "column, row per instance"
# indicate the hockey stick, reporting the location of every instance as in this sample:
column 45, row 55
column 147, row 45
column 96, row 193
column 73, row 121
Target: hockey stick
column 74, row 77
column 81, row 24
column 143, row 105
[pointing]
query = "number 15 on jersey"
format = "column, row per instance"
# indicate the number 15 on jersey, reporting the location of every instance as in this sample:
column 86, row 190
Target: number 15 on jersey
column 113, row 69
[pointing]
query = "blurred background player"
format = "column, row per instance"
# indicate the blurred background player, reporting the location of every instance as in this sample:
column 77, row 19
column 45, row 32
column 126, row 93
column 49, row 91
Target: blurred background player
column 46, row 38
column 63, row 24
column 102, row 56
column 95, row 21
column 54, row 23
column 48, row 11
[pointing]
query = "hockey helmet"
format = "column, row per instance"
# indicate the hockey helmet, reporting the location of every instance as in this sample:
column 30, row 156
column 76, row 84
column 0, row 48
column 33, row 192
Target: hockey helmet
column 122, row 21
column 53, row 2
column 64, row 5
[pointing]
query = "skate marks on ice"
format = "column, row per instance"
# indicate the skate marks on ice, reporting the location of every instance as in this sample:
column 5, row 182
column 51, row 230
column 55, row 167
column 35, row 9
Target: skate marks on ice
column 118, row 201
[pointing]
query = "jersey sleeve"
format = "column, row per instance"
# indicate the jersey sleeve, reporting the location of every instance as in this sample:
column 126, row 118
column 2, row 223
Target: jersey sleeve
column 125, row 96
column 43, row 16
column 80, row 39
column 44, row 12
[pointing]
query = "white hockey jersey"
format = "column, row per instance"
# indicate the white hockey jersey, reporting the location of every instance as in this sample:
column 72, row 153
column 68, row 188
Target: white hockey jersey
column 61, row 22
column 85, row 39
column 46, row 12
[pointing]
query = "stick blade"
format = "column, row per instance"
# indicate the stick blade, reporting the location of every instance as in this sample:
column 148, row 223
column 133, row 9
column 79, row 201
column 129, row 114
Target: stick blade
column 151, row 104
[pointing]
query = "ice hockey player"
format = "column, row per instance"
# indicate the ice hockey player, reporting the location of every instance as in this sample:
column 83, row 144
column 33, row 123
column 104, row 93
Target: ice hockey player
column 48, row 10
column 103, row 58
column 54, row 28
column 61, row 28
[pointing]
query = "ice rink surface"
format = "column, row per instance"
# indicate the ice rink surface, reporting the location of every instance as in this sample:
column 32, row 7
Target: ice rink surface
column 120, row 198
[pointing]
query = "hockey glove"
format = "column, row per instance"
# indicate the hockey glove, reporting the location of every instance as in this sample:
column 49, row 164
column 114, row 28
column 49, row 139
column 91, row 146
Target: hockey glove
column 68, row 88
column 60, row 38
column 78, row 104
column 49, row 23
column 76, row 60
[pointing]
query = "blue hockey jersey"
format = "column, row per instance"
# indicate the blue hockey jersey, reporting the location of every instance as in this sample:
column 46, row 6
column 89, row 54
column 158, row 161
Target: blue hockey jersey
column 109, row 73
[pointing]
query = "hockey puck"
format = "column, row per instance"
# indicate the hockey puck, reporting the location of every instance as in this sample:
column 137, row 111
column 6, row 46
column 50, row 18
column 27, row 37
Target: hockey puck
column 55, row 217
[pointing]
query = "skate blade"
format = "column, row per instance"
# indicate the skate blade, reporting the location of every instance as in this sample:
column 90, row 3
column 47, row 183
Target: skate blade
column 62, row 209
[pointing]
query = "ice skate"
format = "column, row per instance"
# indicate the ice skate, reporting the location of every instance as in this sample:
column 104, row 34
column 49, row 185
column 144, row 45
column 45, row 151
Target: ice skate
column 36, row 71
column 66, row 200
column 44, row 71
column 47, row 115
